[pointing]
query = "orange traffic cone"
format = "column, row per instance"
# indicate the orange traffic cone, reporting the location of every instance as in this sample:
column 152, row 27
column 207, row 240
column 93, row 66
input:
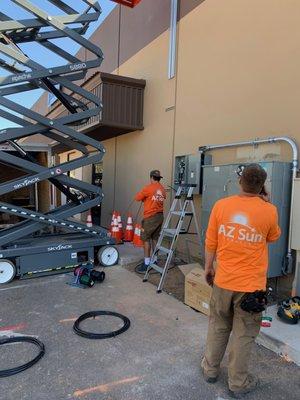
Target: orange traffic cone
column 128, row 236
column 114, row 214
column 115, row 231
column 89, row 222
column 120, row 226
column 137, row 241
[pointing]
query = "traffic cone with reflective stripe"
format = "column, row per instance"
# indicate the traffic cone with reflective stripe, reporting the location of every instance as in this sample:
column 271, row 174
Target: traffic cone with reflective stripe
column 128, row 236
column 114, row 214
column 119, row 218
column 137, row 241
column 115, row 230
column 89, row 222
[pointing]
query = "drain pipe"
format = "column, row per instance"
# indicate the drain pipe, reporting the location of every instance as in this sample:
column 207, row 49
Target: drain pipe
column 289, row 261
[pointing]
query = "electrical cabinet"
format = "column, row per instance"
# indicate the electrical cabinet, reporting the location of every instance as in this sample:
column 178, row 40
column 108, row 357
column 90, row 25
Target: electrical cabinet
column 296, row 216
column 188, row 170
column 222, row 180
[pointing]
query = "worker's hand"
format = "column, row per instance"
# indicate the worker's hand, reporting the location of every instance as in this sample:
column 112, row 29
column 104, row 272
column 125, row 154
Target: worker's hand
column 265, row 195
column 209, row 274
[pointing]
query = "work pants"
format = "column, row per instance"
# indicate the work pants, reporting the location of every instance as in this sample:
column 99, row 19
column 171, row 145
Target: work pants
column 227, row 317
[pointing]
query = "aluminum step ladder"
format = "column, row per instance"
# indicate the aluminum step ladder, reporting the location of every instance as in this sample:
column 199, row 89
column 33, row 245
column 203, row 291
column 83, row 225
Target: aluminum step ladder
column 182, row 208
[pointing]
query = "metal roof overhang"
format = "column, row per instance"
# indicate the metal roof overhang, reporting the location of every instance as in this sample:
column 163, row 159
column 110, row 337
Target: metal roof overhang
column 123, row 106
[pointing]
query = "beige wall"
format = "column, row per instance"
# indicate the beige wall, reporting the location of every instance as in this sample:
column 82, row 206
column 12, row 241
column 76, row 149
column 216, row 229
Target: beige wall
column 237, row 79
column 238, row 72
column 131, row 157
column 108, row 182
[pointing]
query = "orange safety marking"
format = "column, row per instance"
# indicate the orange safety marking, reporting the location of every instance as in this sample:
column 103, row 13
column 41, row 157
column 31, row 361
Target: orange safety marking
column 106, row 387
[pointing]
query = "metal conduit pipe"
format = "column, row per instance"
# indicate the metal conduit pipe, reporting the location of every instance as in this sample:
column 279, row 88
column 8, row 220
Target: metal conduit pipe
column 256, row 142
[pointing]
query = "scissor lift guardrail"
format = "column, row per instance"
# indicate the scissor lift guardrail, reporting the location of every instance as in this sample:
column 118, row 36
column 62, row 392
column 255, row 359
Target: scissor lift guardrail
column 24, row 74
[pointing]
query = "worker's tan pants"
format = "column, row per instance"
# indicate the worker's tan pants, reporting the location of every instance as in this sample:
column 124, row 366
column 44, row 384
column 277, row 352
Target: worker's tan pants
column 226, row 316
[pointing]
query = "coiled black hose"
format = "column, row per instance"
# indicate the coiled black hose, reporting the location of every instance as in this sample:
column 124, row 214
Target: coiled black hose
column 93, row 314
column 13, row 371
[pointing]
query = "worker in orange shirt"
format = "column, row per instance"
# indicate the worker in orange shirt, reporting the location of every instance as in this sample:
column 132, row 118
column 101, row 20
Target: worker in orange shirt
column 153, row 196
column 239, row 230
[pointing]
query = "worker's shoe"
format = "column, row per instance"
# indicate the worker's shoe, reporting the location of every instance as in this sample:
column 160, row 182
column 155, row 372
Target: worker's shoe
column 253, row 383
column 142, row 269
column 207, row 378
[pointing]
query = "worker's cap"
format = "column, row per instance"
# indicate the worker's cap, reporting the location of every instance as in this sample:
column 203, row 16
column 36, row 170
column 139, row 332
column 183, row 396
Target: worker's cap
column 155, row 174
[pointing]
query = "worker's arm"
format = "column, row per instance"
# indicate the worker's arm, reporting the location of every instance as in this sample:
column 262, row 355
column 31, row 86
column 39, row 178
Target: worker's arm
column 211, row 244
column 209, row 270
column 275, row 231
column 141, row 196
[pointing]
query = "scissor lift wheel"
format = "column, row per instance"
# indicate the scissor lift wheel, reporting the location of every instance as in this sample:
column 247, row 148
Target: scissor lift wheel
column 108, row 256
column 7, row 271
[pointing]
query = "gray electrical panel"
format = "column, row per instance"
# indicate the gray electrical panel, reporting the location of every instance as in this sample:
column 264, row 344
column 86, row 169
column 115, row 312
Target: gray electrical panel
column 188, row 170
column 221, row 181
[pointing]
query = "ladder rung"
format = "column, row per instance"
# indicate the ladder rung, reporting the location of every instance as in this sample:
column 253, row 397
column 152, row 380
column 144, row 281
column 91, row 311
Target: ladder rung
column 164, row 249
column 157, row 268
column 184, row 213
column 176, row 212
column 169, row 232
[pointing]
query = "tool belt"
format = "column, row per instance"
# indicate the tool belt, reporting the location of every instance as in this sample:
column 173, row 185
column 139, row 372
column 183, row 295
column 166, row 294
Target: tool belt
column 254, row 302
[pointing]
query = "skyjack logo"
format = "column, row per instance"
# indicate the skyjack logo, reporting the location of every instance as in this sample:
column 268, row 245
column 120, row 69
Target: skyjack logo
column 26, row 182
column 158, row 196
column 23, row 77
column 60, row 247
column 239, row 230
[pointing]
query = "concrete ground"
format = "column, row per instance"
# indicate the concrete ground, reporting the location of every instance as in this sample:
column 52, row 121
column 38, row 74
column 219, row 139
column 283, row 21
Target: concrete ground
column 157, row 358
column 281, row 337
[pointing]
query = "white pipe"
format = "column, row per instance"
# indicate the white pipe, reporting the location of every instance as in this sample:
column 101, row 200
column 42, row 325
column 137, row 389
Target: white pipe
column 256, row 142
column 173, row 39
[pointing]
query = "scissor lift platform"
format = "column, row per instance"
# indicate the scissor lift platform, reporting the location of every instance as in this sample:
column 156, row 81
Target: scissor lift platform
column 57, row 253
column 25, row 248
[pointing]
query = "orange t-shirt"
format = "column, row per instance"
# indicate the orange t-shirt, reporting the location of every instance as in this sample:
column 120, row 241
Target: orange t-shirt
column 239, row 229
column 153, row 196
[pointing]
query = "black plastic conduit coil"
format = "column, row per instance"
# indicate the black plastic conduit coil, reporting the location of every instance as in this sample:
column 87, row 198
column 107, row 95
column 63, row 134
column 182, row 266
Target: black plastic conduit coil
column 13, row 371
column 93, row 314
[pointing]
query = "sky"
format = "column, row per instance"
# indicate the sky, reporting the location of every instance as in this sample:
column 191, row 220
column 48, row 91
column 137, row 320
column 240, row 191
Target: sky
column 38, row 53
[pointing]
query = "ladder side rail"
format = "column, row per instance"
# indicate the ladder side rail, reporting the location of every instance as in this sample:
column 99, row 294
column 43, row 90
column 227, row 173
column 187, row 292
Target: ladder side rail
column 182, row 213
column 165, row 224
column 196, row 221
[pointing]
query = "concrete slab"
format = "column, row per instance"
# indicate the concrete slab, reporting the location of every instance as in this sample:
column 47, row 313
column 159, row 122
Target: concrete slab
column 129, row 254
column 281, row 338
column 157, row 358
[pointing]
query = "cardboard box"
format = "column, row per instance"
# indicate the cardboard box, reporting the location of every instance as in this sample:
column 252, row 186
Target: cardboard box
column 197, row 292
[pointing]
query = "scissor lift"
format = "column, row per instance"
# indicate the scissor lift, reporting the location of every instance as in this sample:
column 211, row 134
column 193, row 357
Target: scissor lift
column 54, row 241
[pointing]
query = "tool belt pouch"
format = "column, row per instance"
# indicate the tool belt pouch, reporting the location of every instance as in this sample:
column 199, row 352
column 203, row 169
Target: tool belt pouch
column 254, row 302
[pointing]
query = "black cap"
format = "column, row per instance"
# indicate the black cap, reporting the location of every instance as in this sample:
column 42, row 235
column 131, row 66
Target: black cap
column 155, row 173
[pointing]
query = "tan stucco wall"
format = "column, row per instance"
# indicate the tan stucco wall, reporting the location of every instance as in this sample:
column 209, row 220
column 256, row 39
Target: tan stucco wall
column 238, row 72
column 131, row 157
column 108, row 182
column 237, row 79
